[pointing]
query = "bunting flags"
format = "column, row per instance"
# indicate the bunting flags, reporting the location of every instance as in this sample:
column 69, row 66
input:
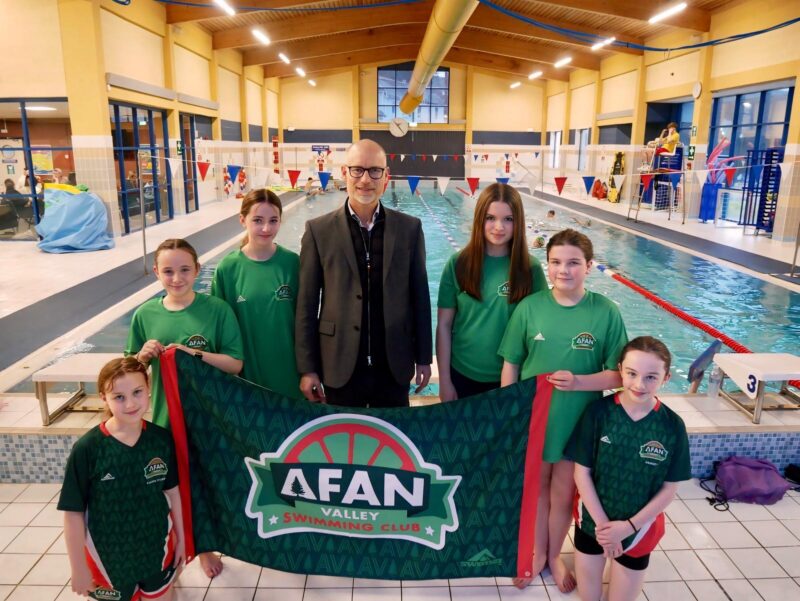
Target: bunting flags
column 701, row 175
column 619, row 180
column 588, row 182
column 435, row 156
column 413, row 157
column 174, row 164
column 455, row 157
column 786, row 171
column 560, row 181
column 506, row 155
column 730, row 172
column 202, row 167
column 474, row 158
column 646, row 179
column 233, row 171
column 756, row 173
column 402, row 158
column 675, row 179
column 324, row 178
column 391, row 156
column 502, row 180
column 535, row 155
column 413, row 182
column 473, row 183
column 293, row 175
column 442, row 182
column 424, row 157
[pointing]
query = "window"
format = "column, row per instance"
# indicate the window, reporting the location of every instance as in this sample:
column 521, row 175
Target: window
column 583, row 144
column 393, row 84
column 752, row 121
column 554, row 142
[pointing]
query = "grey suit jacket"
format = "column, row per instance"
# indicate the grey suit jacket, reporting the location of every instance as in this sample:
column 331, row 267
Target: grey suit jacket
column 329, row 300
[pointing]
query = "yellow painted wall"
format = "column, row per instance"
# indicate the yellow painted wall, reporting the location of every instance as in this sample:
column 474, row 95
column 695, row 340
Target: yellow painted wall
column 230, row 59
column 496, row 107
column 31, row 58
column 368, row 94
column 671, row 39
column 329, row 105
column 581, row 107
column 672, row 72
column 192, row 74
column 458, row 92
column 556, row 112
column 230, row 107
column 131, row 50
column 254, row 92
column 147, row 14
column 272, row 108
column 618, row 64
column 554, row 87
column 619, row 92
column 581, row 77
column 191, row 37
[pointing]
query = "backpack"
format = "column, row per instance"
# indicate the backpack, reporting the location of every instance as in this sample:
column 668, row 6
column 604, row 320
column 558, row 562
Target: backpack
column 746, row 480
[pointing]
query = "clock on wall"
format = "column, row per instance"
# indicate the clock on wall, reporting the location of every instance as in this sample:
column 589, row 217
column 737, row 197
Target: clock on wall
column 398, row 127
column 697, row 89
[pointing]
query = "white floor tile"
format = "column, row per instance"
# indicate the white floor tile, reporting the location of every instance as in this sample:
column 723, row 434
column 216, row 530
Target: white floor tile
column 731, row 535
column 236, row 574
column 436, row 593
column 49, row 516
column 330, row 594
column 15, row 566
column 276, row 579
column 667, row 591
column 777, row 589
column 501, row 581
column 793, row 526
column 660, row 568
column 707, row 590
column 5, row 591
column 33, row 540
column 473, row 582
column 375, row 583
column 68, row 595
column 50, row 569
column 424, row 583
column 38, row 493
column 569, row 561
column 785, row 509
column 672, row 539
column 192, row 576
column 749, row 512
column 557, row 595
column 695, row 419
column 771, row 534
column 532, row 593
column 474, row 593
column 20, row 514
column 718, row 563
column 678, row 513
column 789, row 558
column 688, row 565
column 279, row 594
column 35, row 593
column 7, row 534
column 705, row 513
column 317, row 581
column 690, row 489
column 740, row 590
column 230, row 594
column 377, row 594
column 755, row 563
column 59, row 547
column 697, row 536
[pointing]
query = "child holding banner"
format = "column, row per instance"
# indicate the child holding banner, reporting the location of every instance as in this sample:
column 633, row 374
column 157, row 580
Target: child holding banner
column 479, row 290
column 629, row 454
column 574, row 335
column 198, row 324
column 259, row 282
column 123, row 525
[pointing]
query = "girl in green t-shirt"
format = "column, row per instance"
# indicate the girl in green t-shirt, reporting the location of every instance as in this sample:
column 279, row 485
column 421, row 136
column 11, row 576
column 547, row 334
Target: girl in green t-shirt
column 575, row 336
column 480, row 287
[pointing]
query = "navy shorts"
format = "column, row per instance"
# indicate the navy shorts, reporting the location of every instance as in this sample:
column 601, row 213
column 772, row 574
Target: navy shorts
column 588, row 545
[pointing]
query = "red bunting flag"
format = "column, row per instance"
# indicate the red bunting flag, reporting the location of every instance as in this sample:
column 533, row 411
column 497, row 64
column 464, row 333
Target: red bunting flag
column 729, row 173
column 293, row 175
column 203, row 166
column 560, row 181
column 455, row 157
column 424, row 157
column 646, row 179
column 391, row 155
column 473, row 183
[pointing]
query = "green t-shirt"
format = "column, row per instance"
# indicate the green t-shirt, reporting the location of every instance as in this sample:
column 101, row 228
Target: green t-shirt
column 479, row 325
column 208, row 324
column 543, row 336
column 121, row 491
column 263, row 295
column 630, row 460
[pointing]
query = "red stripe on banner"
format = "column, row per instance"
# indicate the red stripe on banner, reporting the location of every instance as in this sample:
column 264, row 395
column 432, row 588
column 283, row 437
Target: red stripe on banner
column 533, row 468
column 169, row 379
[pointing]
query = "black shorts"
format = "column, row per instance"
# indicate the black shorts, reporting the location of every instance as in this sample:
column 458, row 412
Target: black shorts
column 588, row 545
column 467, row 386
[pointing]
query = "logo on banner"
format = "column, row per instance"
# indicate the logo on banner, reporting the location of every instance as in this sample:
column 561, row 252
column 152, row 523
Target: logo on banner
column 482, row 558
column 351, row 475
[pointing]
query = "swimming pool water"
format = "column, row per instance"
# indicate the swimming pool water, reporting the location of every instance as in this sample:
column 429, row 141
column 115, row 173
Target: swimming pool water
column 760, row 315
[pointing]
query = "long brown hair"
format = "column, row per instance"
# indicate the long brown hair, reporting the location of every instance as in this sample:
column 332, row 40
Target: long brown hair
column 648, row 344
column 252, row 198
column 175, row 244
column 469, row 265
column 570, row 237
column 116, row 368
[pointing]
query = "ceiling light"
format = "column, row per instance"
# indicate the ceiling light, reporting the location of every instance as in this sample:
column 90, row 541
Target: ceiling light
column 666, row 14
column 284, row 58
column 515, row 85
column 300, row 72
column 39, row 108
column 261, row 36
column 562, row 62
column 603, row 44
column 311, row 82
column 535, row 74
column 225, row 6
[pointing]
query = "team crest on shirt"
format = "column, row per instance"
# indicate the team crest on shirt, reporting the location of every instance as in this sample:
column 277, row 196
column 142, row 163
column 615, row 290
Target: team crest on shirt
column 284, row 292
column 653, row 450
column 583, row 342
column 197, row 342
column 157, row 468
column 107, row 594
column 504, row 289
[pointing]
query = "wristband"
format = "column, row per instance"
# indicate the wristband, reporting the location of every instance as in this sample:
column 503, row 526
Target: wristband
column 635, row 529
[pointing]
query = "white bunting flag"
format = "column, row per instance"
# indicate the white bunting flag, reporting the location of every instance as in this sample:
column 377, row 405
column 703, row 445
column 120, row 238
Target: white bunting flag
column 700, row 175
column 786, row 172
column 174, row 165
column 442, row 181
column 435, row 156
column 618, row 181
column 402, row 158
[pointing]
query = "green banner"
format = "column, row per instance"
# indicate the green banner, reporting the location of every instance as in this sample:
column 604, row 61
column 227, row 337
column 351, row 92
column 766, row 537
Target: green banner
column 441, row 491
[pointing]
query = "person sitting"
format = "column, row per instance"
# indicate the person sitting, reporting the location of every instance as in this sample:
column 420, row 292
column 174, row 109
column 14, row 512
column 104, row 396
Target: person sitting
column 310, row 190
column 665, row 143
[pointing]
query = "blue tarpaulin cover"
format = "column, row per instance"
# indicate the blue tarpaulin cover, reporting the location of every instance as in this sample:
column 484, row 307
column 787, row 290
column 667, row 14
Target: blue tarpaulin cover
column 73, row 222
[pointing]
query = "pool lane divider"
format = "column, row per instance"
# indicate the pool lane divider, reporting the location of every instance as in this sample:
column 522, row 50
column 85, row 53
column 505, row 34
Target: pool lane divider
column 690, row 319
column 439, row 222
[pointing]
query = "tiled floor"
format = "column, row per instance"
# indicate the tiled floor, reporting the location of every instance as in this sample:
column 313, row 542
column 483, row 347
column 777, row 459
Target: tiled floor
column 749, row 553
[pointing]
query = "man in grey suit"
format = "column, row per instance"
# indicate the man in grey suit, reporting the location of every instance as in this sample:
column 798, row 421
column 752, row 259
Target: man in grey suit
column 363, row 325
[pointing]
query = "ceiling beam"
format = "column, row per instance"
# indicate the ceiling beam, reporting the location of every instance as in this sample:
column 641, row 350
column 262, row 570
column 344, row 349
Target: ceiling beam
column 481, row 40
column 504, row 64
column 488, row 18
column 177, row 13
column 641, row 10
column 324, row 23
column 336, row 44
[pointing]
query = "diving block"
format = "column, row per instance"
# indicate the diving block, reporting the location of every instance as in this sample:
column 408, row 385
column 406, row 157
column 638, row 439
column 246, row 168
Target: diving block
column 79, row 368
column 751, row 371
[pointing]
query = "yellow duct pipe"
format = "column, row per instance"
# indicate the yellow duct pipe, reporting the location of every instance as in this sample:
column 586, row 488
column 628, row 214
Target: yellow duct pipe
column 447, row 20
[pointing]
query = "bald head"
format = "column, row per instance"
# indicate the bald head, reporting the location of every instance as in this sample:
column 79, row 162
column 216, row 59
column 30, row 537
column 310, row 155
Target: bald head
column 365, row 190
column 369, row 148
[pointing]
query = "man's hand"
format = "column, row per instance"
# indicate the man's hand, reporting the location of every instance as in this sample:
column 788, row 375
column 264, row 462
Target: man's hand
column 423, row 377
column 312, row 389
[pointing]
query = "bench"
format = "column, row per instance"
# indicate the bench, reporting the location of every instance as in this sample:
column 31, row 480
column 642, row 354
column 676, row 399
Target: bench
column 751, row 371
column 79, row 368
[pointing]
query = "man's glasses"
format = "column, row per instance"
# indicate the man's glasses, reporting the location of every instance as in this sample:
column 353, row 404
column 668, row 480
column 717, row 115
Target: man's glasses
column 374, row 172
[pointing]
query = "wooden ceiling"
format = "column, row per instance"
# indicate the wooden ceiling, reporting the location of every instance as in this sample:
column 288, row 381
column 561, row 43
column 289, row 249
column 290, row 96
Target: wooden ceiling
column 322, row 40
